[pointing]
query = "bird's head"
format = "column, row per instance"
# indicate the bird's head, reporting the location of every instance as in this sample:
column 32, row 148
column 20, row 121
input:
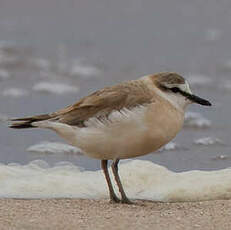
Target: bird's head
column 176, row 88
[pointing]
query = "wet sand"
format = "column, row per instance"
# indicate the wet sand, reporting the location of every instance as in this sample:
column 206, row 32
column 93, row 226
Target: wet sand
column 91, row 214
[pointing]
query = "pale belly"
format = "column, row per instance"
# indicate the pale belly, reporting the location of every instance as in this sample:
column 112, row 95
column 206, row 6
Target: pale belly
column 139, row 133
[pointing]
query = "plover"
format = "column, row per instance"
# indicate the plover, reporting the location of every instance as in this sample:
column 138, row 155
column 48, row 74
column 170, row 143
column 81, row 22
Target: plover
column 127, row 120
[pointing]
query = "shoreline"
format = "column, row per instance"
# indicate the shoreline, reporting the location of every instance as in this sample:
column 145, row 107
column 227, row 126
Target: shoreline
column 65, row 213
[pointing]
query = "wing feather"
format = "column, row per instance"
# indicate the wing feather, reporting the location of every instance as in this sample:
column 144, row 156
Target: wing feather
column 102, row 102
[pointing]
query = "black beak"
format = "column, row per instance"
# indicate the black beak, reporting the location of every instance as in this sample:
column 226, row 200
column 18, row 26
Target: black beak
column 191, row 97
column 198, row 100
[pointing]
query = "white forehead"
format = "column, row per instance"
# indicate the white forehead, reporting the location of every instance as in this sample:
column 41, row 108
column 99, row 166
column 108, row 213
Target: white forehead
column 185, row 87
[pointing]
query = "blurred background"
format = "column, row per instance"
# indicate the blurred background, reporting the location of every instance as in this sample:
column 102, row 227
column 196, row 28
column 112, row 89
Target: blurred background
column 54, row 52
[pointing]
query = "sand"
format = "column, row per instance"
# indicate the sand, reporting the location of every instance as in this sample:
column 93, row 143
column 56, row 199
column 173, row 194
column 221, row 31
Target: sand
column 68, row 214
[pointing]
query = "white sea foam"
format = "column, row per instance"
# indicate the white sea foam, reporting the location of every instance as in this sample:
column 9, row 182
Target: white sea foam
column 141, row 180
column 80, row 69
column 208, row 141
column 196, row 120
column 221, row 157
column 47, row 147
column 55, row 87
column 170, row 147
column 15, row 92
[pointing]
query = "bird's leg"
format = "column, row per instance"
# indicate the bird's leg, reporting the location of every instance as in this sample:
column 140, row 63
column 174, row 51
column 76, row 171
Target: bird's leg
column 117, row 179
column 113, row 196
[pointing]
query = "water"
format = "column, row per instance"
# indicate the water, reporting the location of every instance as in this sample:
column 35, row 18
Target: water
column 82, row 46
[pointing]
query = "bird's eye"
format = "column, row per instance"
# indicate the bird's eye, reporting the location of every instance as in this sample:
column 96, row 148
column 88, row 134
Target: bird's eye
column 175, row 90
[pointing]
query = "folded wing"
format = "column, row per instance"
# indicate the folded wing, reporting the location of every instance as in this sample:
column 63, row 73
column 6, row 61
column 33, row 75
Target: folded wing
column 99, row 104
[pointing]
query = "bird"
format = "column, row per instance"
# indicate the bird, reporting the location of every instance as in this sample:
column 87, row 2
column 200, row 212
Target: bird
column 127, row 120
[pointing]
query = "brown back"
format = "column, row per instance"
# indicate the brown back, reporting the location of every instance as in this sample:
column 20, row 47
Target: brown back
column 102, row 102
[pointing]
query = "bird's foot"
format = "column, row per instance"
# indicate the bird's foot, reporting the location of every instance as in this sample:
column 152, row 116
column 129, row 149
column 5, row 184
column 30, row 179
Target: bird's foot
column 125, row 200
column 114, row 199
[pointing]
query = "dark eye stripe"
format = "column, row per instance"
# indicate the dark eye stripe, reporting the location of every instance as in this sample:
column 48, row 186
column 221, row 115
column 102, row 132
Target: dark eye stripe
column 175, row 90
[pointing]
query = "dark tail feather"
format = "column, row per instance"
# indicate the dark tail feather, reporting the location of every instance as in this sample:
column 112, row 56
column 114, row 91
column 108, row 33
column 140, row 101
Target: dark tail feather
column 26, row 122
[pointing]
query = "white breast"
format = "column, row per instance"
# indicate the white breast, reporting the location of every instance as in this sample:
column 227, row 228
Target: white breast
column 115, row 136
column 128, row 133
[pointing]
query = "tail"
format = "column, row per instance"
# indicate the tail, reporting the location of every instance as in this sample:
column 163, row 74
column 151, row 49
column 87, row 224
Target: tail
column 27, row 122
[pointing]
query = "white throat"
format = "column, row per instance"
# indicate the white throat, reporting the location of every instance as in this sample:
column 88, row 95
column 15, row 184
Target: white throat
column 177, row 100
